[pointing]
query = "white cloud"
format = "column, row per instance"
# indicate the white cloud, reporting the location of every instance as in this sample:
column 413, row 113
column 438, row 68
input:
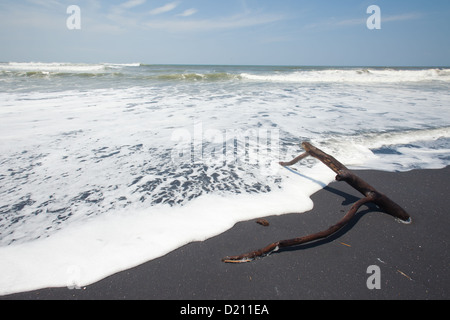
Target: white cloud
column 401, row 17
column 333, row 22
column 188, row 12
column 132, row 3
column 233, row 22
column 46, row 3
column 166, row 8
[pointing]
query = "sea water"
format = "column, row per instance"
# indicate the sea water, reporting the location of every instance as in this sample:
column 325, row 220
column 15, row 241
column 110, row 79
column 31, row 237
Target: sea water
column 106, row 166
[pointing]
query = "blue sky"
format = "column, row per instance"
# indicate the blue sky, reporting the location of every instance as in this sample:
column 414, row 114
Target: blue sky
column 257, row 32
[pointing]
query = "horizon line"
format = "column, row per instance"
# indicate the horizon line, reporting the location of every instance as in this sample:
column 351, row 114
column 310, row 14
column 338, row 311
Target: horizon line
column 242, row 65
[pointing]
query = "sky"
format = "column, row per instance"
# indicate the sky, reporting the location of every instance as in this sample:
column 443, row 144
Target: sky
column 231, row 32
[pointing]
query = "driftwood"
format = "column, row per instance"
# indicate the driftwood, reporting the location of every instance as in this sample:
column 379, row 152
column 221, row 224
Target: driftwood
column 343, row 174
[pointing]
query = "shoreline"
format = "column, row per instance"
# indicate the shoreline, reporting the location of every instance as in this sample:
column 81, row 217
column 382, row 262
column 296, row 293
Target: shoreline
column 413, row 259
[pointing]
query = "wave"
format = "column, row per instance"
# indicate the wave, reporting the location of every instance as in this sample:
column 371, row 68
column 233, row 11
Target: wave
column 54, row 67
column 405, row 137
column 200, row 76
column 120, row 65
column 145, row 72
column 32, row 68
column 375, row 140
column 426, row 148
column 133, row 71
column 362, row 75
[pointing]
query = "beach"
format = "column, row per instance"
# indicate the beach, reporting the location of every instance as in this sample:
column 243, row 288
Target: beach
column 150, row 151
column 133, row 181
column 413, row 259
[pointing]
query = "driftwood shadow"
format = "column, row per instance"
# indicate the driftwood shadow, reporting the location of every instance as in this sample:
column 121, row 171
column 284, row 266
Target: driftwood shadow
column 347, row 200
column 372, row 199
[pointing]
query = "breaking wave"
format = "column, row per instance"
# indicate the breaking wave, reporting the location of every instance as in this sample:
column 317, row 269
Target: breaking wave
column 140, row 71
column 379, row 75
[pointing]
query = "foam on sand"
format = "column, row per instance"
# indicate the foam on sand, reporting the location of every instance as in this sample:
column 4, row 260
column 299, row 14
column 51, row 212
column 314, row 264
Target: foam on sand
column 87, row 252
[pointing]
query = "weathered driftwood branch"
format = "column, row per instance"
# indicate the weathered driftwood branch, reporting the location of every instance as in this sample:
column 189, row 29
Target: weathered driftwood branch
column 343, row 174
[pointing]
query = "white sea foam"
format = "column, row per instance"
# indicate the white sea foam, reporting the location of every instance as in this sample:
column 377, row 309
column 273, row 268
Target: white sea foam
column 412, row 146
column 353, row 76
column 84, row 253
column 51, row 67
column 135, row 64
column 60, row 67
column 94, row 181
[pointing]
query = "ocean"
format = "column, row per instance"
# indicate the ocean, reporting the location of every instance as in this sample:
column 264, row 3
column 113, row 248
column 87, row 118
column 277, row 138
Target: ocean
column 106, row 166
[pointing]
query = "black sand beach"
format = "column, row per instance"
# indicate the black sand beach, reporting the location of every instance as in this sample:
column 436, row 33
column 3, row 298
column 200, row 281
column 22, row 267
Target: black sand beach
column 414, row 259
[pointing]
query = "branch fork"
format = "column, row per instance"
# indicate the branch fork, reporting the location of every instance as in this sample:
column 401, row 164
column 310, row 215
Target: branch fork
column 343, row 174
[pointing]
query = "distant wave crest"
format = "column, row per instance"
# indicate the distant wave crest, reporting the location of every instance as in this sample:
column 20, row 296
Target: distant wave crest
column 360, row 75
column 58, row 68
column 200, row 76
column 139, row 71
